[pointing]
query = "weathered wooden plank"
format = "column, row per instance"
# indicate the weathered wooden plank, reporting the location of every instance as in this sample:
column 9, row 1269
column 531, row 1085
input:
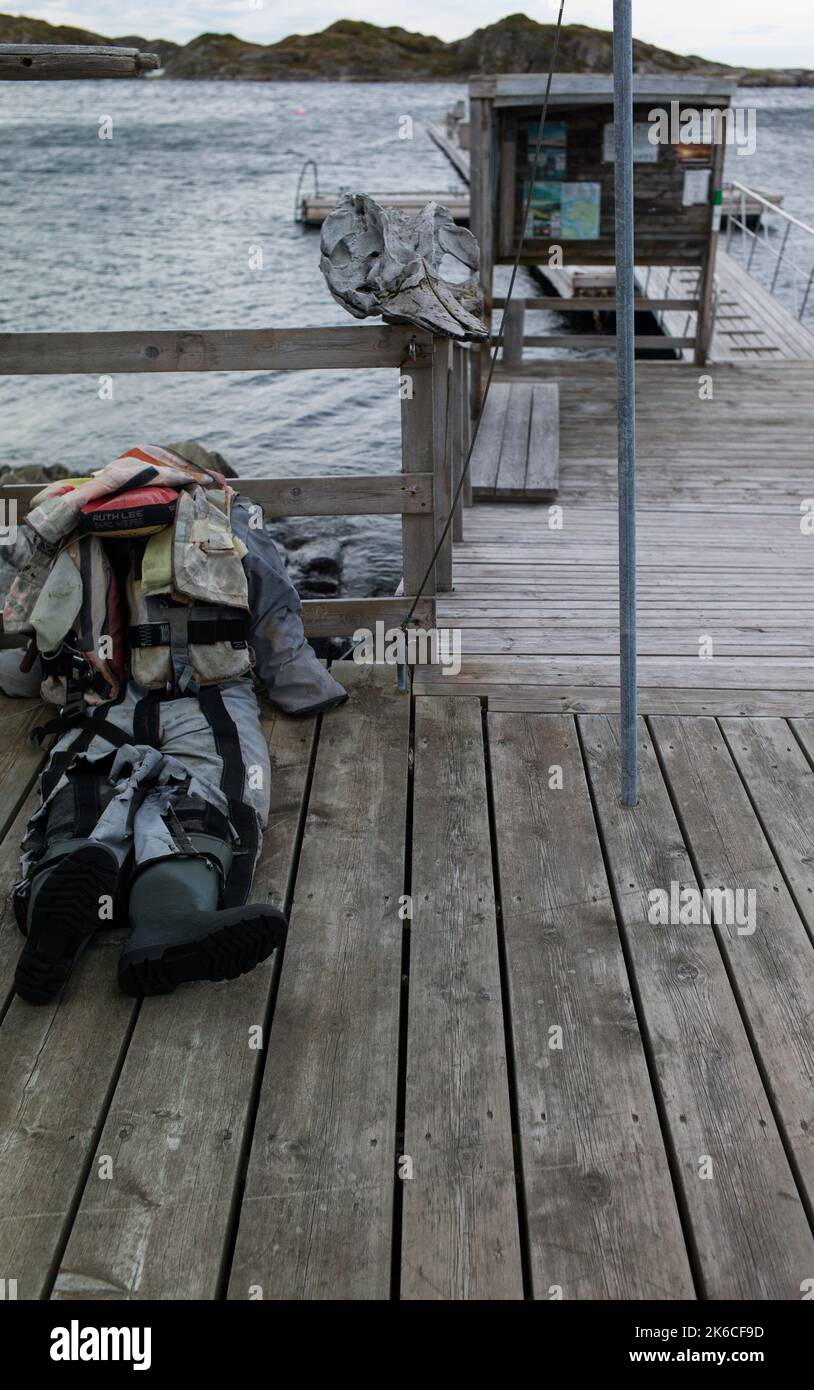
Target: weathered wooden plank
column 543, row 464
column 158, row 1225
column 482, row 633
column 20, row 760
column 341, row 617
column 57, row 1064
column 517, row 86
column 770, row 955
column 723, row 672
column 317, row 1212
column 314, row 208
column 514, row 446
column 601, row 1211
column 215, row 350
column 589, row 304
column 749, row 1227
column 330, row 617
column 581, row 699
column 486, row 453
column 460, row 1237
column 643, row 342
column 362, row 495
column 21, row 62
column 777, row 771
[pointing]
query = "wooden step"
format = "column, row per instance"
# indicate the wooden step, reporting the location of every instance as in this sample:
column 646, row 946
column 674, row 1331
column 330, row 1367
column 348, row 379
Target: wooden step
column 517, row 453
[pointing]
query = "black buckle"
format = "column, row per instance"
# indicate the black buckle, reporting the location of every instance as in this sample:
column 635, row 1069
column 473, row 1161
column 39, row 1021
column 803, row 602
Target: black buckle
column 146, row 635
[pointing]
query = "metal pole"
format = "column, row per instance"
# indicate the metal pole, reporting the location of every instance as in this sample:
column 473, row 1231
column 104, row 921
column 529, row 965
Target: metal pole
column 625, row 386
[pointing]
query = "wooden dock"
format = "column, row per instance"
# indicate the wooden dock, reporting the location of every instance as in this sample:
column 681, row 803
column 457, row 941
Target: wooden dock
column 485, row 1067
column 521, row 1090
column 315, row 207
column 726, row 575
column 479, row 1070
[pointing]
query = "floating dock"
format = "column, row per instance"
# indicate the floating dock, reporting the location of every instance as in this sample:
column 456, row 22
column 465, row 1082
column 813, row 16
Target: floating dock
column 315, row 207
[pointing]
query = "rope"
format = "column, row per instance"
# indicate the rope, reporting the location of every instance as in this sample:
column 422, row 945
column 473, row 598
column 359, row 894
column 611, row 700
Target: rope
column 498, row 344
column 493, row 358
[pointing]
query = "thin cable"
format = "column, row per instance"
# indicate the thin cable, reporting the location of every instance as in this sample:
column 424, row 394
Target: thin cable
column 498, row 344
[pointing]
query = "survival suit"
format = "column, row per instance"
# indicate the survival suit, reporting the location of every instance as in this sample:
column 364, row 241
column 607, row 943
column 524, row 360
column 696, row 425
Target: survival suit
column 152, row 595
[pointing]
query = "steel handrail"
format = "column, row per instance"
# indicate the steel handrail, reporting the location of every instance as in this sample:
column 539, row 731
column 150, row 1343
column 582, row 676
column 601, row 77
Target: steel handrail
column 781, row 256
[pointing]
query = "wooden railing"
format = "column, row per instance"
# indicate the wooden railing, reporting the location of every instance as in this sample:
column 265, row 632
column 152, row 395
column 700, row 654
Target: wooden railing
column 515, row 337
column 434, row 431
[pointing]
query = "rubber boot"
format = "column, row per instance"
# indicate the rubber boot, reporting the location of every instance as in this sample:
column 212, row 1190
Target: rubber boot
column 179, row 933
column 70, row 899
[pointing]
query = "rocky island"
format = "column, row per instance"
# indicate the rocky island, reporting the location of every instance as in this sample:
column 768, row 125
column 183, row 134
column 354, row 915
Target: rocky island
column 355, row 51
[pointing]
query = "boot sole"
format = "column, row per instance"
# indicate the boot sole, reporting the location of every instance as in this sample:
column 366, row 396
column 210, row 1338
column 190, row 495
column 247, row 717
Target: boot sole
column 64, row 918
column 233, row 949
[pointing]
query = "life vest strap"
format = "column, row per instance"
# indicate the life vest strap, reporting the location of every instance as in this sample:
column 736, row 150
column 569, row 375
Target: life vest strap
column 71, row 716
column 200, row 632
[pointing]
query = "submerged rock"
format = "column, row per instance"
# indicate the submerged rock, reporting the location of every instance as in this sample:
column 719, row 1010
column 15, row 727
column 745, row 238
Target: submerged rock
column 315, row 568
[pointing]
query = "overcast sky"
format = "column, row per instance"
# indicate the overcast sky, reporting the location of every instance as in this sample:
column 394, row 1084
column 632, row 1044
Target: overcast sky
column 753, row 32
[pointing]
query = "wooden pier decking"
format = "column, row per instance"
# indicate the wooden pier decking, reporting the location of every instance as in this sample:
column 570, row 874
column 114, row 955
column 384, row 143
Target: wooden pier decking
column 524, row 1089
column 726, row 573
column 479, row 1071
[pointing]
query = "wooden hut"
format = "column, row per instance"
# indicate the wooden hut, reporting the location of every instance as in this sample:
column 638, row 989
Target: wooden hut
column 680, row 128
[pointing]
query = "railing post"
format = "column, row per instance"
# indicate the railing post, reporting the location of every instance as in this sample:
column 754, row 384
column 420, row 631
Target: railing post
column 780, row 257
column 626, row 387
column 417, row 456
column 466, row 410
column 442, row 413
column 457, row 429
column 514, row 327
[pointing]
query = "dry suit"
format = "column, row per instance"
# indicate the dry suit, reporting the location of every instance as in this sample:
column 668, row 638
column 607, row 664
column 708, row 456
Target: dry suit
column 156, row 792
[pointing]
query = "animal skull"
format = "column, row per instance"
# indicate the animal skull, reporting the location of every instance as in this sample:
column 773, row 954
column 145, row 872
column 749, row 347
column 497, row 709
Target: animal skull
column 383, row 261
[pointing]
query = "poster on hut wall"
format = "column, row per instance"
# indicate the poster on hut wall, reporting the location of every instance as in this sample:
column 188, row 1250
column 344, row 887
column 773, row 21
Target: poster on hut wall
column 551, row 163
column 545, row 210
column 579, row 214
column 569, row 211
column 644, row 152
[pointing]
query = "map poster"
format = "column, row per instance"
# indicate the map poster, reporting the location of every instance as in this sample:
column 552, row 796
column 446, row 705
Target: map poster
column 579, row 211
column 544, row 218
column 551, row 164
